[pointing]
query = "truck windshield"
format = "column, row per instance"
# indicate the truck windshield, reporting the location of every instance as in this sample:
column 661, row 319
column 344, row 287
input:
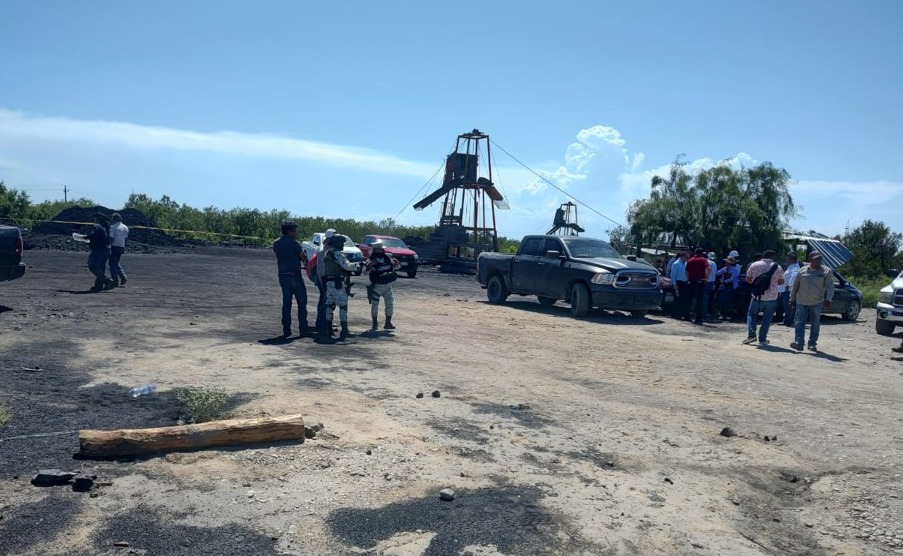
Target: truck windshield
column 393, row 243
column 582, row 248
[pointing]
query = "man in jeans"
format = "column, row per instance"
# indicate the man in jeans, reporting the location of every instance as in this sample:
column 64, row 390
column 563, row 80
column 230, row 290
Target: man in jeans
column 119, row 232
column 793, row 269
column 812, row 291
column 290, row 260
column 681, row 308
column 698, row 271
column 767, row 302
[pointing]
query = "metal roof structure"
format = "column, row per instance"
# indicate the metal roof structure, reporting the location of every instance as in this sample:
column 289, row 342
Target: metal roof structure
column 833, row 251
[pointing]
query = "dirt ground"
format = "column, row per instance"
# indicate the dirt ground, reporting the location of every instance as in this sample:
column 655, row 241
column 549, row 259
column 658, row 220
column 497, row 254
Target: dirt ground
column 598, row 436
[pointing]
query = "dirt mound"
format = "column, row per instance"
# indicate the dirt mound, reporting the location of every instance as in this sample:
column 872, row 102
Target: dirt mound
column 75, row 219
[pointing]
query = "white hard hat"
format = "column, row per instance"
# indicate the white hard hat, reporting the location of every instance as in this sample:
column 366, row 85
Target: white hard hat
column 330, row 232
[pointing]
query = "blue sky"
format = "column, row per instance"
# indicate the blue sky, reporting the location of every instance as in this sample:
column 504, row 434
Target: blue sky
column 345, row 108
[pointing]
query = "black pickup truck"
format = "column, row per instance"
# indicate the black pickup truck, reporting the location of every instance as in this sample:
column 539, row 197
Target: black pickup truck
column 584, row 272
column 11, row 265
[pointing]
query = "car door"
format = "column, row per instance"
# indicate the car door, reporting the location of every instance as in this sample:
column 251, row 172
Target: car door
column 842, row 295
column 524, row 266
column 549, row 273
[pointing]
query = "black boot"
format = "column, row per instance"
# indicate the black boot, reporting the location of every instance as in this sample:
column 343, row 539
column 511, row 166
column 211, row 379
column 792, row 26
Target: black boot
column 345, row 333
column 389, row 325
column 326, row 330
column 375, row 326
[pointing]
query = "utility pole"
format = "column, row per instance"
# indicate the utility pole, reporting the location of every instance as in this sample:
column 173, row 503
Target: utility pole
column 65, row 194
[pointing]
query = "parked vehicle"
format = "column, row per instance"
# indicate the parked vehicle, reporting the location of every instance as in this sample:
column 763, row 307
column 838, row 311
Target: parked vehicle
column 847, row 300
column 890, row 305
column 351, row 251
column 11, row 248
column 409, row 260
column 582, row 271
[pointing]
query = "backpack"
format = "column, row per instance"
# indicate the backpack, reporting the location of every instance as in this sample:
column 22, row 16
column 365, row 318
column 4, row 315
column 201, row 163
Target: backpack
column 763, row 281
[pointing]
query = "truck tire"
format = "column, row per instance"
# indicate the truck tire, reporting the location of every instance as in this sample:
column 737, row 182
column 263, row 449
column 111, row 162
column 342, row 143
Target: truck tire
column 496, row 291
column 546, row 301
column 639, row 314
column 580, row 301
column 852, row 312
column 884, row 327
column 412, row 274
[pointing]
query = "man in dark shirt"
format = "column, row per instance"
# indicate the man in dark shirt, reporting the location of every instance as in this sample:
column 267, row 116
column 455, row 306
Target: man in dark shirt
column 698, row 270
column 98, row 239
column 382, row 274
column 290, row 260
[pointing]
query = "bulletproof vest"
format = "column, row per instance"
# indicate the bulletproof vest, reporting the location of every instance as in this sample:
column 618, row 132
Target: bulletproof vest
column 331, row 267
column 381, row 271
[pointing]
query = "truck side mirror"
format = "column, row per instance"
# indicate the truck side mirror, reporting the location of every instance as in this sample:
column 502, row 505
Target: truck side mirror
column 553, row 255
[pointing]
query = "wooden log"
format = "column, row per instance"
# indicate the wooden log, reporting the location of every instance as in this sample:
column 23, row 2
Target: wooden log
column 232, row 432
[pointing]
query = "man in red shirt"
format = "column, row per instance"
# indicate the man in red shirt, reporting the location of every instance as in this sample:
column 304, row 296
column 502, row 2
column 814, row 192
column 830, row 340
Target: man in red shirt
column 698, row 270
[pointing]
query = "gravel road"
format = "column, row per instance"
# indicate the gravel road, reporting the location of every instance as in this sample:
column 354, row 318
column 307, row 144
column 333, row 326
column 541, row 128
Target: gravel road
column 598, row 436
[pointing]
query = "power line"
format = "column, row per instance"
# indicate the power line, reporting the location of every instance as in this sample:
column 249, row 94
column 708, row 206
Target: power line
column 543, row 178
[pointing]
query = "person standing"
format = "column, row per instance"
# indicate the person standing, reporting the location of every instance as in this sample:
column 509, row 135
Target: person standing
column 382, row 275
column 290, row 261
column 793, row 269
column 710, row 286
column 813, row 290
column 698, row 271
column 335, row 269
column 98, row 239
column 764, row 276
column 318, row 280
column 681, row 287
column 730, row 281
column 119, row 232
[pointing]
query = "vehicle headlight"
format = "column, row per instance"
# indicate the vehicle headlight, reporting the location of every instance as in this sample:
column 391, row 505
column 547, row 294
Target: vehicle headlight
column 416, row 257
column 885, row 297
column 604, row 278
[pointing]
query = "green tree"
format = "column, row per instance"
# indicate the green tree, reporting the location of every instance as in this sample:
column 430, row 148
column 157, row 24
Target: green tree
column 719, row 209
column 14, row 204
column 875, row 249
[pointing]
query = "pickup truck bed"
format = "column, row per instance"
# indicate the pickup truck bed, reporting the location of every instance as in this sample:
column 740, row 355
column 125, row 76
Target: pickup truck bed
column 11, row 246
column 584, row 272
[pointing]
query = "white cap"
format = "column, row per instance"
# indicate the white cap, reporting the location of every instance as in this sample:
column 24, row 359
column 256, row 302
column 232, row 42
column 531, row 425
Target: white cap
column 734, row 254
column 377, row 244
column 330, row 232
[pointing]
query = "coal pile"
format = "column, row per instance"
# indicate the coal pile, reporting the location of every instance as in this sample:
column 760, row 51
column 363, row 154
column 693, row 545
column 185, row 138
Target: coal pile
column 58, row 234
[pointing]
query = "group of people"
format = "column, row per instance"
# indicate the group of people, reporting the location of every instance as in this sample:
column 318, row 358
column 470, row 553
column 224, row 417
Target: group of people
column 797, row 294
column 331, row 271
column 106, row 242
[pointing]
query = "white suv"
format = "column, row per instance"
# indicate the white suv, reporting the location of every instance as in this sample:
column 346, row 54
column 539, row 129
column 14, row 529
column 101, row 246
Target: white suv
column 890, row 307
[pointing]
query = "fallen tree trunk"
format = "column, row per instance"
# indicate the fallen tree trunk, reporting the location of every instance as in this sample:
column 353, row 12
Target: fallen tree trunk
column 232, row 432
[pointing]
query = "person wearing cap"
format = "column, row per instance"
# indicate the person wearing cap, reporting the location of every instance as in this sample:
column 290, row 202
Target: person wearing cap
column 767, row 302
column 813, row 290
column 318, row 280
column 790, row 274
column 119, row 232
column 335, row 268
column 290, row 261
column 382, row 274
column 698, row 271
column 730, row 281
column 98, row 239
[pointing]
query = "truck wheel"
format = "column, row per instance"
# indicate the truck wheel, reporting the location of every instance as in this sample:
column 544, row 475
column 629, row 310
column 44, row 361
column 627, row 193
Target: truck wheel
column 412, row 274
column 496, row 291
column 546, row 301
column 580, row 303
column 852, row 312
column 639, row 314
column 884, row 327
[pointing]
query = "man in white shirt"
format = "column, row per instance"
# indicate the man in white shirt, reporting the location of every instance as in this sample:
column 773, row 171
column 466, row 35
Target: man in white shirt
column 793, row 268
column 119, row 232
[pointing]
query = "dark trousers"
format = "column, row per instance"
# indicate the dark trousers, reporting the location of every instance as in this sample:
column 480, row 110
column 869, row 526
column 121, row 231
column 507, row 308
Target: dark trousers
column 97, row 264
column 707, row 299
column 682, row 303
column 117, row 273
column 293, row 289
column 321, row 305
column 698, row 294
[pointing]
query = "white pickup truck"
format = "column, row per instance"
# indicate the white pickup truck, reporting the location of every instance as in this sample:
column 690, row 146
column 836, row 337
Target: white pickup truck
column 890, row 307
column 352, row 253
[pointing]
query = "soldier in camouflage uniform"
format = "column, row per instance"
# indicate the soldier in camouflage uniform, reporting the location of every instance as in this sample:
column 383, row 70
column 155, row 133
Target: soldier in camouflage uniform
column 335, row 269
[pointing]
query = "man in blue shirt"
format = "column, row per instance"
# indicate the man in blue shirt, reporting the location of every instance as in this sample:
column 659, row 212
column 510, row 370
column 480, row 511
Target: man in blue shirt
column 681, row 308
column 290, row 261
column 730, row 281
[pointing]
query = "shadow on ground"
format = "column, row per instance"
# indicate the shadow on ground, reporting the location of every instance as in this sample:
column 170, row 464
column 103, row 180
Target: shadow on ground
column 509, row 518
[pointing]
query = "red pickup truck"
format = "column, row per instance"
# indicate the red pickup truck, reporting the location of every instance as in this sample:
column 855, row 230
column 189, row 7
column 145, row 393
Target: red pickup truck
column 406, row 256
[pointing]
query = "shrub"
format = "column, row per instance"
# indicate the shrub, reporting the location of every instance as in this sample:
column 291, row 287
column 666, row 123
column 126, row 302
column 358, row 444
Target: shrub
column 870, row 288
column 203, row 404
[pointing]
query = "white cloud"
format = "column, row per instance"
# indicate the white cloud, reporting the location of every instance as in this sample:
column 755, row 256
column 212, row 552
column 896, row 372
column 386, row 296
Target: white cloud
column 19, row 127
